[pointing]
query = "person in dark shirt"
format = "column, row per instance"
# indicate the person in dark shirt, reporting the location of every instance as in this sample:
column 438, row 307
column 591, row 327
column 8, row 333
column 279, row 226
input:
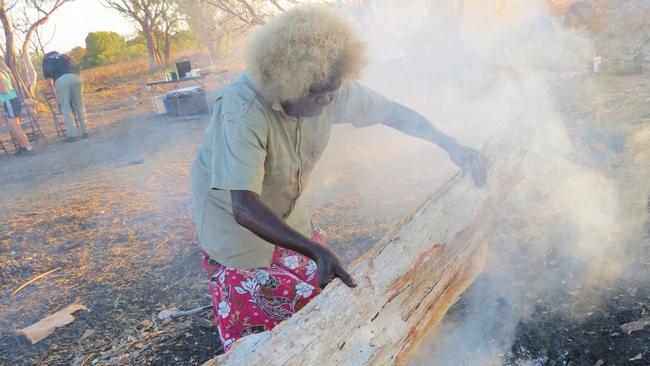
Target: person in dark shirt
column 64, row 82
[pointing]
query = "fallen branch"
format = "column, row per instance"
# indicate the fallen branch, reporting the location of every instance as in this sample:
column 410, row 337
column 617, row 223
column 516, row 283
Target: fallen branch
column 33, row 280
column 174, row 314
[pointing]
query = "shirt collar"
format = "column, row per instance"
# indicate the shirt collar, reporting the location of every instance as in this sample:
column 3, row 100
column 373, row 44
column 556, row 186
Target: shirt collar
column 277, row 106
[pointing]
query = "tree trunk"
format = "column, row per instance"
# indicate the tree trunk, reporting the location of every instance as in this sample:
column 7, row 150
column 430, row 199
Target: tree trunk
column 10, row 52
column 22, row 70
column 20, row 83
column 152, row 55
column 166, row 48
column 28, row 76
column 31, row 77
column 406, row 283
column 8, row 29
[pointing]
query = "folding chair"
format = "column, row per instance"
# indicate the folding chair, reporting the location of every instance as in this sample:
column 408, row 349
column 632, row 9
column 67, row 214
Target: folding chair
column 4, row 130
column 29, row 124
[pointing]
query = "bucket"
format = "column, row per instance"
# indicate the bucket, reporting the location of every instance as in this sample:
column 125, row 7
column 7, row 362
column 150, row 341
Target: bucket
column 159, row 104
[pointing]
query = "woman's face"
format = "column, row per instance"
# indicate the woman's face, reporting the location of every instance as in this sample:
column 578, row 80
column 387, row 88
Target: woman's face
column 312, row 104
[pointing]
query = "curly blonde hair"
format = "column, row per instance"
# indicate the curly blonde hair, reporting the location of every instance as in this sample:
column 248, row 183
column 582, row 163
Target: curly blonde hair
column 304, row 47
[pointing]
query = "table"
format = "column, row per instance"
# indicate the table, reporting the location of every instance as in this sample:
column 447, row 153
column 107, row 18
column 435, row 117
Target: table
column 176, row 83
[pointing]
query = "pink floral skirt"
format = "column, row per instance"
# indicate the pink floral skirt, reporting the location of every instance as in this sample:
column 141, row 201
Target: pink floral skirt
column 255, row 300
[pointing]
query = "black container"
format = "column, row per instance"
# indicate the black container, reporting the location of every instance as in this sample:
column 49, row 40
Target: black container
column 191, row 102
column 183, row 67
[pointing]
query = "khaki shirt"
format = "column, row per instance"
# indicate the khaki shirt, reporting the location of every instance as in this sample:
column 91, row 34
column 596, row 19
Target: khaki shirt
column 255, row 146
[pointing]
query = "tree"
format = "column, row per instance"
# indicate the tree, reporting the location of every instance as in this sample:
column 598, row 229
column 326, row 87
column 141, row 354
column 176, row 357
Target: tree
column 77, row 55
column 156, row 19
column 103, row 48
column 183, row 40
column 40, row 42
column 26, row 17
column 136, row 47
column 168, row 24
column 249, row 12
column 215, row 22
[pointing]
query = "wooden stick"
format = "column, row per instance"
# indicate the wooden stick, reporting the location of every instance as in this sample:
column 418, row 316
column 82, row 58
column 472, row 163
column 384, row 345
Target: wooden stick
column 180, row 313
column 33, row 280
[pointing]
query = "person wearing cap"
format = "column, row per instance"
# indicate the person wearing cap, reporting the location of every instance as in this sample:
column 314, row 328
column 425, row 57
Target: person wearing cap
column 264, row 258
column 65, row 83
column 13, row 107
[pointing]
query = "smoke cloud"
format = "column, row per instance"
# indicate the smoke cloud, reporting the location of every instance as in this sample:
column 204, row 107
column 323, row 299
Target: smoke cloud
column 490, row 70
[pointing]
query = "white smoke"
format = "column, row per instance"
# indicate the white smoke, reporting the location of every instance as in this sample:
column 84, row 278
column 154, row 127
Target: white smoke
column 486, row 69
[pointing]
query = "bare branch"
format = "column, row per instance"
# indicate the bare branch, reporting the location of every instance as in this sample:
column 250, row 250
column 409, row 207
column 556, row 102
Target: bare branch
column 275, row 3
column 156, row 19
column 42, row 20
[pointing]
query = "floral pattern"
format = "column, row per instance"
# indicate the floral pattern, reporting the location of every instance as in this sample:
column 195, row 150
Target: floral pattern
column 224, row 309
column 291, row 261
column 311, row 270
column 304, row 289
column 256, row 300
column 262, row 276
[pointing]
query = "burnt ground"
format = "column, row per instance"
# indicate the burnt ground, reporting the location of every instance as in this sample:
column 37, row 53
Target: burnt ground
column 547, row 307
column 570, row 322
column 563, row 329
column 552, row 337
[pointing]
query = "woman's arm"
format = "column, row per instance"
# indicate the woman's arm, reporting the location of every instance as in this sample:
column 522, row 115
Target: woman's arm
column 253, row 214
column 414, row 124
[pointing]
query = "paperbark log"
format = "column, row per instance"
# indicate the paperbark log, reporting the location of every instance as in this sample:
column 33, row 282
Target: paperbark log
column 406, row 283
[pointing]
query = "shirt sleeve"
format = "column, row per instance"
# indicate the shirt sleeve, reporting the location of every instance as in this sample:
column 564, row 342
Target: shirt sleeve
column 361, row 106
column 239, row 152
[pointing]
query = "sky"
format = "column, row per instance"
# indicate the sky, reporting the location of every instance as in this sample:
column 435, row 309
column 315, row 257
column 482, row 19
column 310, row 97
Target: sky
column 71, row 23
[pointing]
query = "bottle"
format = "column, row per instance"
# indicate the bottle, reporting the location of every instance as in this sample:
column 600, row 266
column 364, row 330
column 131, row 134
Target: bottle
column 598, row 61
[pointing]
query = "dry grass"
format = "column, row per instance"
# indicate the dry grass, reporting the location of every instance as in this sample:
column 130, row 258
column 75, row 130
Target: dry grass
column 114, row 74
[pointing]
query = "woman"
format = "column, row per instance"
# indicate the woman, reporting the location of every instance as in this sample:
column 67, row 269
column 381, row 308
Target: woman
column 264, row 258
column 13, row 107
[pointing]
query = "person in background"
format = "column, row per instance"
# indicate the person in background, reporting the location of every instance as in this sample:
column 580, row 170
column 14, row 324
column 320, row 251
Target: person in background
column 64, row 82
column 264, row 258
column 12, row 105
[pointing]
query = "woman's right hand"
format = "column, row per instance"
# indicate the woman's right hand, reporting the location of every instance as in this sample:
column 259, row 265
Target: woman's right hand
column 329, row 266
column 252, row 213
